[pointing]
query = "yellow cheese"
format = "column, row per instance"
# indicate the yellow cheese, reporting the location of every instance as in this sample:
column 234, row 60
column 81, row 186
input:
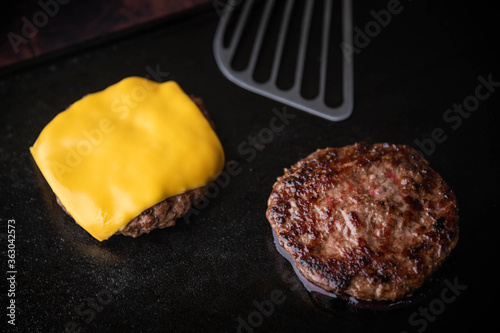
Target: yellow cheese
column 117, row 152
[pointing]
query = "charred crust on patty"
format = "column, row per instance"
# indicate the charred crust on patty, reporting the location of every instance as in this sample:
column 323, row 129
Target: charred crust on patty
column 164, row 214
column 372, row 221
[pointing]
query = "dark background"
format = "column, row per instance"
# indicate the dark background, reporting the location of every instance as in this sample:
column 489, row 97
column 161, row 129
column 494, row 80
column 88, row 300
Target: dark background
column 206, row 273
column 40, row 29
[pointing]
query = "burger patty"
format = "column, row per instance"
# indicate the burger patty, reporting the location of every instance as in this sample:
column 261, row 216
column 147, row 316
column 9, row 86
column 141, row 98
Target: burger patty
column 372, row 221
column 165, row 213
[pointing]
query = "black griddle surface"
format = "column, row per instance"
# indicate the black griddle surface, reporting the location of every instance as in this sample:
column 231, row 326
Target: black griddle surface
column 219, row 271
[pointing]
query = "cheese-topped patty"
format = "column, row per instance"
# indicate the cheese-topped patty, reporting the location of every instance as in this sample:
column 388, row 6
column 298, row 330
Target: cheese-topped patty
column 115, row 153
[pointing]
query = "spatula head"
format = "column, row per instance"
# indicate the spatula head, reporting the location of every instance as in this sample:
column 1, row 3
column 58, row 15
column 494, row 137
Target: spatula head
column 290, row 51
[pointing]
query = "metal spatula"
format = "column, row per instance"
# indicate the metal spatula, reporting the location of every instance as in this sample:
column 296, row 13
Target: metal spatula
column 290, row 51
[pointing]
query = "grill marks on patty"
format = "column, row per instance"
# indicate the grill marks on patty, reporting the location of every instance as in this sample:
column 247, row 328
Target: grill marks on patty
column 373, row 221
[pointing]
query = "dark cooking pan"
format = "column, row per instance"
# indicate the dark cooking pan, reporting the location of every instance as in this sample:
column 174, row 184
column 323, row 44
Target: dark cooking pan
column 416, row 83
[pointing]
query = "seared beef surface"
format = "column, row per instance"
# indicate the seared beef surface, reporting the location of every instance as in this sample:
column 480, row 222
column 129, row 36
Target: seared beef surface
column 164, row 214
column 372, row 221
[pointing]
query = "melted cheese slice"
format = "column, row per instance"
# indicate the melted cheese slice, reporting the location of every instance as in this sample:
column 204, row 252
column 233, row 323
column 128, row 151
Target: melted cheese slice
column 115, row 153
